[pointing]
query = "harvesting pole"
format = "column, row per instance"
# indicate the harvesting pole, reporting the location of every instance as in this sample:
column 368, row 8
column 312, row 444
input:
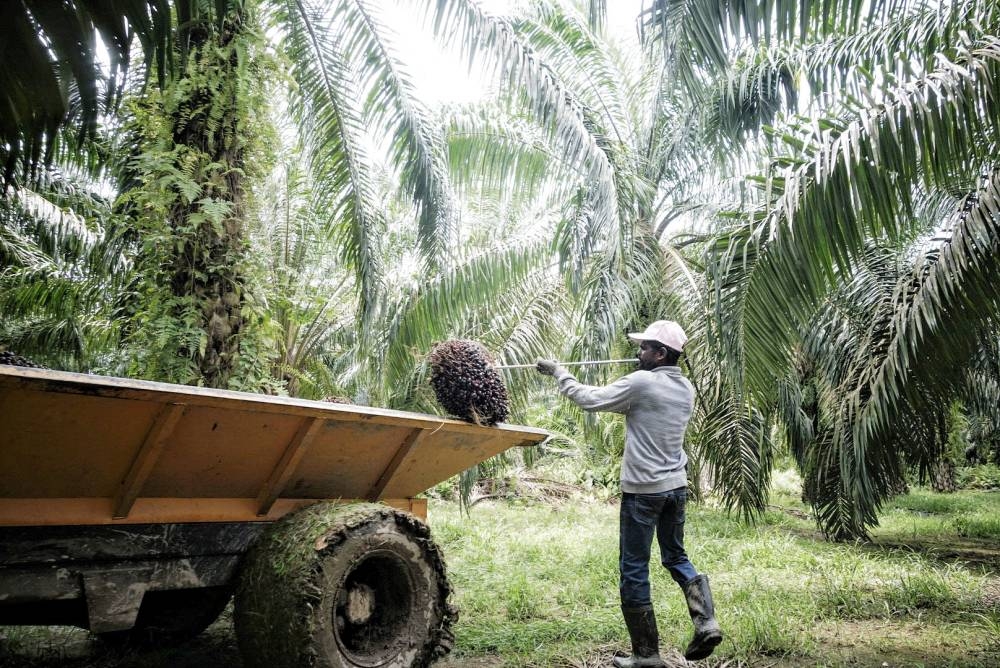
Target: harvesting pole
column 631, row 360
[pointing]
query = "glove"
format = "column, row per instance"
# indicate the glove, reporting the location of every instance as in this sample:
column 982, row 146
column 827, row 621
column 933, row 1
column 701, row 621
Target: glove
column 547, row 367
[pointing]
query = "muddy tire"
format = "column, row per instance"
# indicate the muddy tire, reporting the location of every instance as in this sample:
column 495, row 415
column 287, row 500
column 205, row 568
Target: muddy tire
column 344, row 586
column 172, row 617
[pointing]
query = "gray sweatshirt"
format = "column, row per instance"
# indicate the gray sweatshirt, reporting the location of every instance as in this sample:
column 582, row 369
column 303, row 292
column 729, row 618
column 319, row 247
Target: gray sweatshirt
column 657, row 405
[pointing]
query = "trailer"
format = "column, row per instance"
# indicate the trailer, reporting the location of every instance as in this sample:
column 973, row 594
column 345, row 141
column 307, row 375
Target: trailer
column 137, row 510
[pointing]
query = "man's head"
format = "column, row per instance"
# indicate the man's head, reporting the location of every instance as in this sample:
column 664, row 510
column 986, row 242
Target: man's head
column 660, row 345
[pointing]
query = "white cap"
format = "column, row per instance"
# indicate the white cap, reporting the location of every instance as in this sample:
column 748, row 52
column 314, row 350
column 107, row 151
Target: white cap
column 667, row 332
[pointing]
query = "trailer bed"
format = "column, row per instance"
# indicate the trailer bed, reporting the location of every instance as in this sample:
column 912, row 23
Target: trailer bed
column 78, row 449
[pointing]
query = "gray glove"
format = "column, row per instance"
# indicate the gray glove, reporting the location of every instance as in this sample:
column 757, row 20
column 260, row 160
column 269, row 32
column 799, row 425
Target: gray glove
column 548, row 367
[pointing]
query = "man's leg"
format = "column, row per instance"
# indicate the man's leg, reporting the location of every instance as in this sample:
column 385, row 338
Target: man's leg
column 637, row 523
column 670, row 534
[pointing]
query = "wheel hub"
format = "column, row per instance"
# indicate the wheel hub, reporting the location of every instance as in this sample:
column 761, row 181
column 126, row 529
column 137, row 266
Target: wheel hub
column 360, row 603
column 374, row 611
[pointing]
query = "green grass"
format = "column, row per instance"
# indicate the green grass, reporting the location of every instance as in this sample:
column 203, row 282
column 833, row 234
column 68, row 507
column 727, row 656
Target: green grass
column 537, row 586
column 923, row 515
column 979, row 525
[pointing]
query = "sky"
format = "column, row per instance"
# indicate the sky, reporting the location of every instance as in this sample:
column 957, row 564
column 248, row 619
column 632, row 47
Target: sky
column 442, row 77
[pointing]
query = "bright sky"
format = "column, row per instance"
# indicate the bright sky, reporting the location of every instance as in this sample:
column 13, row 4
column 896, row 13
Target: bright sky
column 443, row 75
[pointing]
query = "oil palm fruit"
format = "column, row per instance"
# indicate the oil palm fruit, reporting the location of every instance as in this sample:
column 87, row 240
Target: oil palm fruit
column 466, row 383
column 12, row 359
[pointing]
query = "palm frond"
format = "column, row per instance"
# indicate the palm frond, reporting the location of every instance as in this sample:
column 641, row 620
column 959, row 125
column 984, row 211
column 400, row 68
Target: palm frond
column 446, row 307
column 494, row 44
column 771, row 77
column 734, row 438
column 417, row 143
column 59, row 80
column 949, row 306
column 490, row 152
column 585, row 65
column 334, row 139
column 702, row 33
column 931, row 133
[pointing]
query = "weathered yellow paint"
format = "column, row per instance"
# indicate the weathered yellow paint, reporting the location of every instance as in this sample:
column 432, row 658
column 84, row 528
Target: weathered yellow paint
column 80, row 449
column 61, row 512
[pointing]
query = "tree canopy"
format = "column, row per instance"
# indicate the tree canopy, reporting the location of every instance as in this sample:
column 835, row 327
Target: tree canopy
column 252, row 194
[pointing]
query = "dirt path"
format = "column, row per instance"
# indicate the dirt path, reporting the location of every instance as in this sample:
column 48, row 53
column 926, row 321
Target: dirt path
column 855, row 644
column 65, row 647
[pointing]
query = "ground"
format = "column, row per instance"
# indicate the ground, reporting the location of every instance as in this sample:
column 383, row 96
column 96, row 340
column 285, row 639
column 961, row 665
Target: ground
column 917, row 596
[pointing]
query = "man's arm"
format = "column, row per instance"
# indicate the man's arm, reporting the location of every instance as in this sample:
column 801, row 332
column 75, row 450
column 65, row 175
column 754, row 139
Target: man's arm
column 613, row 398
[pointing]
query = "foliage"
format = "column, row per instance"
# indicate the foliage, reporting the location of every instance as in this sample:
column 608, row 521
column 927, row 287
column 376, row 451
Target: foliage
column 982, row 525
column 901, row 160
column 984, row 476
column 64, row 262
column 57, row 78
column 839, row 301
column 771, row 585
column 194, row 154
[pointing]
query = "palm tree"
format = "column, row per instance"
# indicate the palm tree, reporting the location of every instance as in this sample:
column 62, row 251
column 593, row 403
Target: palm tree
column 616, row 150
column 53, row 78
column 64, row 264
column 188, row 182
column 903, row 157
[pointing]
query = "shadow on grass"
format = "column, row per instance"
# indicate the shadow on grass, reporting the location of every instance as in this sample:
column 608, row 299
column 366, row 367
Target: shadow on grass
column 980, row 556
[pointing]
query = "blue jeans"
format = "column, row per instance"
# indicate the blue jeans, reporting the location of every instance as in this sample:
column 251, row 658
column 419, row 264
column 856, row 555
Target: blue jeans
column 641, row 516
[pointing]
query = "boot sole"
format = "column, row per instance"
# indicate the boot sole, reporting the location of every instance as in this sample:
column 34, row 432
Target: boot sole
column 704, row 648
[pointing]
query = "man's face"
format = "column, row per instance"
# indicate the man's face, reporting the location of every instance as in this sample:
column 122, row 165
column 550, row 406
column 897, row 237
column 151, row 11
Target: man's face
column 650, row 355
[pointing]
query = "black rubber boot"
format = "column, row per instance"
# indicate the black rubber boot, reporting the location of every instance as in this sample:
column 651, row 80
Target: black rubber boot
column 706, row 630
column 641, row 623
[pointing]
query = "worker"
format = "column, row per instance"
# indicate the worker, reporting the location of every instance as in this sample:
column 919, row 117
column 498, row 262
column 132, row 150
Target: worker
column 657, row 401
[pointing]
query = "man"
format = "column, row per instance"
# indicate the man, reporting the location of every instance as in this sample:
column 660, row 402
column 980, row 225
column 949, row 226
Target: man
column 657, row 401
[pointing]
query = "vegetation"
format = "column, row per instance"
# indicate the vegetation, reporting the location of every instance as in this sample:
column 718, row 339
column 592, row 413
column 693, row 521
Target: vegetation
column 264, row 202
column 784, row 596
column 252, row 194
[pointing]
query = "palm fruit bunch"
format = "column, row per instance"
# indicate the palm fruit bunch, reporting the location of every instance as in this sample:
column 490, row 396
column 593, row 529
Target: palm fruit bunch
column 12, row 359
column 465, row 382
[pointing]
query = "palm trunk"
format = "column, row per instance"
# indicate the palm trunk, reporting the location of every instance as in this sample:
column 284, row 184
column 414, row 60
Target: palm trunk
column 213, row 251
column 943, row 476
column 197, row 249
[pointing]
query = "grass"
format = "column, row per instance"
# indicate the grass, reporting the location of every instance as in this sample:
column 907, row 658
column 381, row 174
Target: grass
column 537, row 587
column 537, row 584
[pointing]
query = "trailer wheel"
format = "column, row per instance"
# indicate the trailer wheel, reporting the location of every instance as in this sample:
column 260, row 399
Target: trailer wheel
column 344, row 586
column 172, row 616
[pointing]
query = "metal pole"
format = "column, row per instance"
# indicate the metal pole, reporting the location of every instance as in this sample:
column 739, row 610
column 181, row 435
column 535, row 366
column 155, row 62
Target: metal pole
column 532, row 366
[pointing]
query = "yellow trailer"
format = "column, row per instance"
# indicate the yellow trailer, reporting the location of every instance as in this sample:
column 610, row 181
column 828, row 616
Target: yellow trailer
column 135, row 509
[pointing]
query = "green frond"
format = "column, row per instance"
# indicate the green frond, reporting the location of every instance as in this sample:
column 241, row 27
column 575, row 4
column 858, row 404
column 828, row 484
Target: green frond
column 857, row 178
column 489, row 152
column 59, row 82
column 949, row 306
column 702, row 33
column 734, row 438
column 616, row 286
column 447, row 307
column 495, row 46
column 416, row 143
column 771, row 77
column 334, row 137
column 584, row 64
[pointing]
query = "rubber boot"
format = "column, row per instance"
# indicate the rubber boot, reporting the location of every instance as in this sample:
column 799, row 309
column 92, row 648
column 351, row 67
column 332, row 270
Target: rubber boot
column 706, row 630
column 641, row 623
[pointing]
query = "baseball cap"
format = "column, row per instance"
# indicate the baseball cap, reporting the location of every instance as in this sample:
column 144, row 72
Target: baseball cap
column 667, row 332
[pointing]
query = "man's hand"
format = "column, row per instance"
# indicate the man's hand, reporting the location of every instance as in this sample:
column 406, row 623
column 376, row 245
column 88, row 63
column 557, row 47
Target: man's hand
column 546, row 367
